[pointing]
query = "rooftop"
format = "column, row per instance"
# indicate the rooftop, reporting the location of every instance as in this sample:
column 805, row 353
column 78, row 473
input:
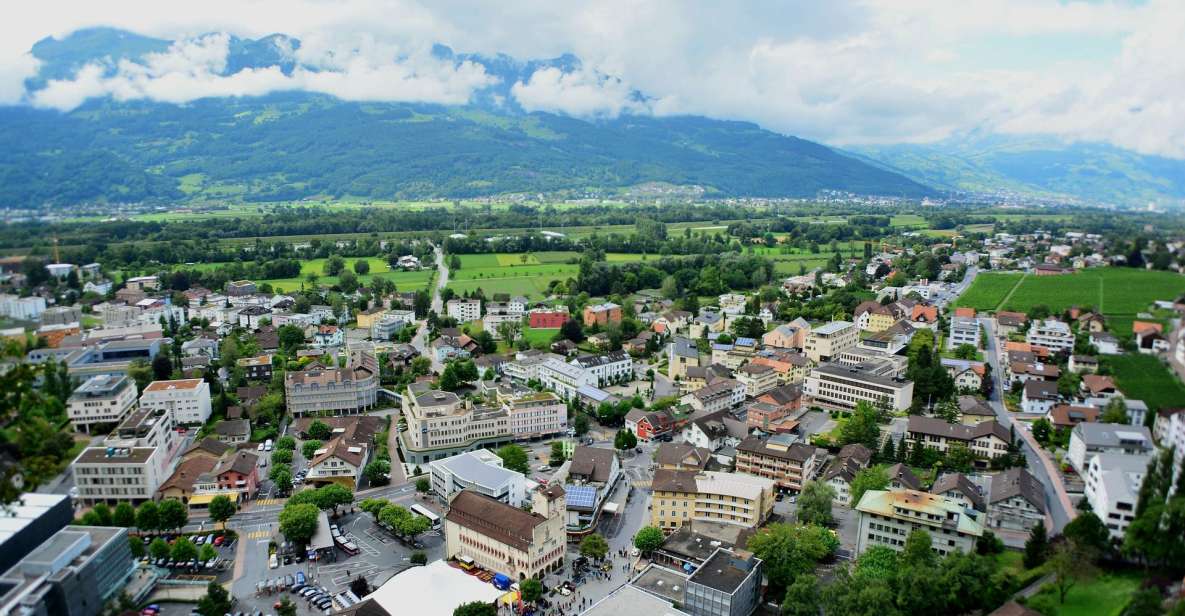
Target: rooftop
column 726, row 571
column 896, row 503
column 831, row 328
column 182, row 384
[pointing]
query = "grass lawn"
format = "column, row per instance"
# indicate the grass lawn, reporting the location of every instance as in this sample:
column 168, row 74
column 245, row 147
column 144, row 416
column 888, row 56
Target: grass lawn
column 988, row 290
column 1143, row 377
column 540, row 335
column 507, row 273
column 1106, row 595
column 404, row 281
column 1110, row 290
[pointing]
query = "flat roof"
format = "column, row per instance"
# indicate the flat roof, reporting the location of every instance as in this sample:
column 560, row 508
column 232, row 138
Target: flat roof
column 831, row 328
column 28, row 508
column 662, row 582
column 451, row 587
column 630, row 600
column 725, row 571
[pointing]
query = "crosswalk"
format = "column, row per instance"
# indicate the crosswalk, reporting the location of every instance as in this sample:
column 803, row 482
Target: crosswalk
column 262, row 502
column 640, row 483
column 259, row 534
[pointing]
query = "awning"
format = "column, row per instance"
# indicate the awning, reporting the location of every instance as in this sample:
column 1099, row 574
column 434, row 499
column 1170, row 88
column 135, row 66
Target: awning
column 203, row 500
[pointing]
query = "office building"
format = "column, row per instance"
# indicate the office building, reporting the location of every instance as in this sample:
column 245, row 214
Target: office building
column 27, row 522
column 781, row 458
column 440, row 425
column 841, row 387
column 480, row 471
column 607, row 369
column 684, row 496
column 728, row 584
column 74, row 573
column 102, row 399
column 186, row 400
column 827, row 341
column 563, row 378
column 318, row 388
column 886, row 517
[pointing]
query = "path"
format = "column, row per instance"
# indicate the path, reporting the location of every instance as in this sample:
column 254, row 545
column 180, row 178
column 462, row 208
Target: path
column 420, row 340
column 1041, row 465
column 1012, row 291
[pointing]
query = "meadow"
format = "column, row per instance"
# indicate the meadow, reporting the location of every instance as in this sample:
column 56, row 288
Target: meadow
column 527, row 274
column 988, row 290
column 404, row 281
column 1144, row 377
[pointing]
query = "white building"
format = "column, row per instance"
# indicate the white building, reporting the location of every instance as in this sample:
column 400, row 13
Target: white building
column 1113, row 488
column 130, row 463
column 608, row 369
column 536, row 414
column 22, row 308
column 757, row 378
column 480, row 471
column 101, row 399
column 828, row 341
column 390, row 323
column 1089, row 439
column 564, row 379
column 963, row 330
column 464, row 310
column 887, row 517
column 186, row 400
column 1017, row 501
column 1106, row 343
column 839, row 386
column 1052, row 334
column 733, row 303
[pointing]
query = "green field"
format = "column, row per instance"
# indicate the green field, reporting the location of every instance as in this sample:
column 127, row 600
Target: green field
column 988, row 291
column 1106, row 595
column 526, row 274
column 404, row 281
column 541, row 335
column 1144, row 377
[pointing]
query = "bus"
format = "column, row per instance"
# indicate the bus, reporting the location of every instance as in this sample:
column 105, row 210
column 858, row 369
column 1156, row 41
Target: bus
column 346, row 545
column 466, row 562
column 421, row 510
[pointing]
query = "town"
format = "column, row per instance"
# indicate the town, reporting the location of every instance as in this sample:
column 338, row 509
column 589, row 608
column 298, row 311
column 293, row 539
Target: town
column 702, row 420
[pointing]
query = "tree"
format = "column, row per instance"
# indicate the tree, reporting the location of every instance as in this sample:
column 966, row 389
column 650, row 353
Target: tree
column 298, row 522
column 1042, row 430
column 282, row 479
column 571, row 330
column 183, row 550
column 332, row 496
column 216, row 602
column 221, row 509
column 1089, row 535
column 959, row 458
column 1145, row 602
column 286, row 442
column 594, row 546
column 159, row 548
column 514, row 458
column 207, row 553
column 286, row 607
column 334, row 265
column 1069, row 565
column 124, row 515
column 624, row 439
column 359, row 586
column 291, row 338
column 1158, row 534
column 173, row 514
column 485, row 341
column 423, row 486
column 1115, row 411
column 282, row 456
column 888, row 451
column 862, row 427
column 871, row 478
column 648, row 539
column 362, row 267
column 919, row 550
column 162, row 367
column 473, row 608
column 988, row 543
column 802, row 597
column 136, row 546
column 1036, row 548
column 814, row 503
column 309, row 448
column 148, row 516
column 791, row 550
column 419, row 558
column 580, row 424
column 377, row 471
column 531, row 590
column 319, row 430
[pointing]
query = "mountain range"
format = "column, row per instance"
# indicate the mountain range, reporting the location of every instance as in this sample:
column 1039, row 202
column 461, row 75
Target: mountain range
column 293, row 145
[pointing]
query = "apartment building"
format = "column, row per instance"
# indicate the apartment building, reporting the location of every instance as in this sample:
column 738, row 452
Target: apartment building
column 607, row 369
column 780, row 457
column 681, row 355
column 719, row 395
column 480, row 471
column 131, row 462
column 1090, row 439
column 827, row 341
column 963, row 330
column 102, row 399
column 535, row 414
column 186, row 400
column 729, row 498
column 732, row 303
column 22, row 308
column 1052, row 334
column 463, row 310
column 318, row 388
column 439, row 425
column 601, row 314
column 506, row 539
column 839, row 386
column 386, row 326
column 1016, row 501
column 564, row 379
column 257, row 368
column 339, row 461
column 790, row 335
column 887, row 517
column 757, row 378
column 1113, row 488
column 987, row 439
column 839, row 475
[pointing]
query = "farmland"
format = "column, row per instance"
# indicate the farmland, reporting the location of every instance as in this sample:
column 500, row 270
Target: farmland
column 1113, row 291
column 515, row 274
column 1144, row 377
column 989, row 290
column 404, row 281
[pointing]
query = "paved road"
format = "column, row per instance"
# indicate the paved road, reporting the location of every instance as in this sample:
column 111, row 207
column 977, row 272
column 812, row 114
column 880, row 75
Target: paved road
column 420, row 340
column 1061, row 510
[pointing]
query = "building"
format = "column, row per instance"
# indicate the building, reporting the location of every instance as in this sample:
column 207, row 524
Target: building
column 649, row 425
column 439, row 425
column 788, row 463
column 563, row 378
column 686, row 496
column 681, row 355
column 463, row 310
column 788, row 335
column 757, row 378
column 233, row 431
column 28, row 522
column 839, row 475
column 1008, row 323
column 240, row 288
column 680, row 457
column 874, row 317
column 480, row 471
column 1106, row 343
column 102, row 399
column 1113, row 488
column 338, row 461
column 719, row 395
column 1051, row 334
column 973, row 410
column 317, row 388
column 506, row 539
column 728, row 584
column 963, row 330
column 886, row 517
column 828, row 341
column 592, row 474
column 987, row 439
column 957, row 487
column 732, row 303
column 1090, row 439
column 1039, row 396
column 1016, row 501
column 22, row 308
column 601, row 314
column 608, row 369
column 131, row 462
column 535, row 414
column 257, row 368
column 967, row 374
column 386, row 326
column 73, row 573
column 840, row 386
column 186, row 400
column 547, row 318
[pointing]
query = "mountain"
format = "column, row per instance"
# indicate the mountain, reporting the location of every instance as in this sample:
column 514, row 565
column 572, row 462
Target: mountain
column 1092, row 173
column 296, row 145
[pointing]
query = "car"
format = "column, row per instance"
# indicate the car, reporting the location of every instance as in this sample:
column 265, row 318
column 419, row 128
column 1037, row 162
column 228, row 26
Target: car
column 779, row 497
column 635, row 552
column 260, row 448
column 273, row 562
column 543, row 468
column 637, row 450
column 199, row 540
column 219, row 540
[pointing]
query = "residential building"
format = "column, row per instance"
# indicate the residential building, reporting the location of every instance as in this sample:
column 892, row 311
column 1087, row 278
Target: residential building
column 732, row 303
column 535, row 414
column 839, row 386
column 789, row 463
column 887, row 517
column 102, row 399
column 987, row 440
column 601, row 314
column 839, row 475
column 872, row 316
column 480, row 471
column 1083, row 364
column 681, row 354
column 75, row 572
column 439, row 425
column 338, row 461
column 827, row 341
column 1113, row 488
column 186, row 400
column 386, row 326
column 789, row 367
column 680, row 457
column 1008, row 323
column 788, row 335
column 1038, row 397
column 22, row 308
column 718, row 396
column 130, row 463
column 1098, row 386
column 1016, row 501
column 1051, row 334
column 963, row 330
column 366, row 319
column 966, row 373
column 1106, row 343
column 648, row 425
column 543, row 318
column 592, row 473
column 902, row 478
column 728, row 584
column 318, row 389
column 240, row 288
column 757, row 378
column 608, row 369
column 506, row 539
column 1090, row 439
column 957, row 487
column 685, row 496
column 563, row 378
column 233, row 431
column 257, row 368
column 463, row 310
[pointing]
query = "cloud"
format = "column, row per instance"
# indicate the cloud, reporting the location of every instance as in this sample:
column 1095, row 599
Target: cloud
column 194, row 68
column 580, row 93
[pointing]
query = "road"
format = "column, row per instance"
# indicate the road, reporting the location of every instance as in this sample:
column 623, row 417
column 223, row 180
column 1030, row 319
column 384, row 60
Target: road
column 420, row 340
column 1060, row 509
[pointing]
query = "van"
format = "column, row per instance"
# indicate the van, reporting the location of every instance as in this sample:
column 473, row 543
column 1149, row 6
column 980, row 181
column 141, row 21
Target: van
column 267, row 445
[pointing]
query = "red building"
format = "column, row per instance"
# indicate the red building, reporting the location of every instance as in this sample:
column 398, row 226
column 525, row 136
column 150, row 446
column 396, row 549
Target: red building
column 648, row 425
column 544, row 319
column 239, row 473
column 602, row 314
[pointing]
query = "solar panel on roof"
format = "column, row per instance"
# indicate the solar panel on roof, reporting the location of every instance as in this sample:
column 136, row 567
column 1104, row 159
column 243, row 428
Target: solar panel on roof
column 580, row 496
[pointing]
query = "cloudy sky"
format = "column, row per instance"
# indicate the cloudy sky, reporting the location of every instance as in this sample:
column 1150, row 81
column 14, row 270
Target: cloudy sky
column 854, row 72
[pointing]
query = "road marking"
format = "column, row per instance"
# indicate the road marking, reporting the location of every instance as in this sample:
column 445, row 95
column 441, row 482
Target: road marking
column 269, row 501
column 259, row 534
